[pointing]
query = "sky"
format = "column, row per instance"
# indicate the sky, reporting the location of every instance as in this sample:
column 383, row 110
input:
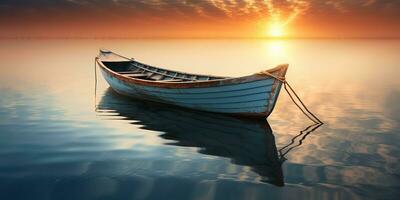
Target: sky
column 200, row 18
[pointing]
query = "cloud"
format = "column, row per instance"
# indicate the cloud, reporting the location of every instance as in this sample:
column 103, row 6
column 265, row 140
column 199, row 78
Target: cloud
column 293, row 8
column 217, row 13
column 287, row 9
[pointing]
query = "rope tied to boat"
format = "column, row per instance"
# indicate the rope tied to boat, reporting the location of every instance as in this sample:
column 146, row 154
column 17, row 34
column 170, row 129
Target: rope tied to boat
column 95, row 83
column 288, row 88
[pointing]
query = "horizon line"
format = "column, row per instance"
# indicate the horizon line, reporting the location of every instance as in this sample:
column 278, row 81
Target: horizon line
column 158, row 37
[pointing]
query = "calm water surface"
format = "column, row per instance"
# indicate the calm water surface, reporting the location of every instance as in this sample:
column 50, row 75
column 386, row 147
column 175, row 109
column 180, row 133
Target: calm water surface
column 54, row 144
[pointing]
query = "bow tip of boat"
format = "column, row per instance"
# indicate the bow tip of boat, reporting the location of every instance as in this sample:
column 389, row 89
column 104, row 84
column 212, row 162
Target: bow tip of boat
column 103, row 50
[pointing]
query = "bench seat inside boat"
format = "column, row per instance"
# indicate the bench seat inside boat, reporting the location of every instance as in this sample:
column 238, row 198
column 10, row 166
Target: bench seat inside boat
column 134, row 69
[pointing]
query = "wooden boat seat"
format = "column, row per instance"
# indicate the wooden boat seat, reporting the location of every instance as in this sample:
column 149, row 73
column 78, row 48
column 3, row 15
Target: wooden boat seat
column 130, row 72
column 136, row 75
column 172, row 80
column 156, row 77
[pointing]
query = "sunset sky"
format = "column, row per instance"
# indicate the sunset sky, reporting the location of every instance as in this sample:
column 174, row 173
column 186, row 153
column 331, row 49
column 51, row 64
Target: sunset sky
column 200, row 18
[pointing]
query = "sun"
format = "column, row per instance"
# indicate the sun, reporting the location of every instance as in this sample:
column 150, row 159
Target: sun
column 276, row 30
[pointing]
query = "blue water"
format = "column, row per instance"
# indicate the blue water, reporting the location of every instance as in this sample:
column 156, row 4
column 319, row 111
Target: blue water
column 60, row 141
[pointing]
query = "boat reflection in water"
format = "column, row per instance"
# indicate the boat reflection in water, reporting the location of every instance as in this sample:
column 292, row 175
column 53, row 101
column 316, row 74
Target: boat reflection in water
column 246, row 142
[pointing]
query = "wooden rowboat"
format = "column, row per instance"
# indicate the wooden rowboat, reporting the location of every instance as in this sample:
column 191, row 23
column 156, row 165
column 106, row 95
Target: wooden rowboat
column 254, row 95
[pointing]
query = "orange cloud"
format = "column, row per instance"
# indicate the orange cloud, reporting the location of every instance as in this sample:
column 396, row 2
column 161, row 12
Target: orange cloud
column 207, row 18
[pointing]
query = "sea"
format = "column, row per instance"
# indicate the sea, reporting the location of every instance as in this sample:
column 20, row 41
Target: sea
column 64, row 134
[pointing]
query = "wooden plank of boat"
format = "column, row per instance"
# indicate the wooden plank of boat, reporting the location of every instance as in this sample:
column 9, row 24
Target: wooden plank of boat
column 253, row 95
column 130, row 72
column 136, row 75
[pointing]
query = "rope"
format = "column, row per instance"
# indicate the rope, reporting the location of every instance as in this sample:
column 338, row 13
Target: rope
column 293, row 140
column 95, row 83
column 304, row 133
column 303, row 109
column 306, row 111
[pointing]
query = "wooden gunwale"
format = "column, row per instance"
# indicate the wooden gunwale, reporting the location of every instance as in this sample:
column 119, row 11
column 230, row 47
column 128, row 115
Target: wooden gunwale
column 194, row 84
